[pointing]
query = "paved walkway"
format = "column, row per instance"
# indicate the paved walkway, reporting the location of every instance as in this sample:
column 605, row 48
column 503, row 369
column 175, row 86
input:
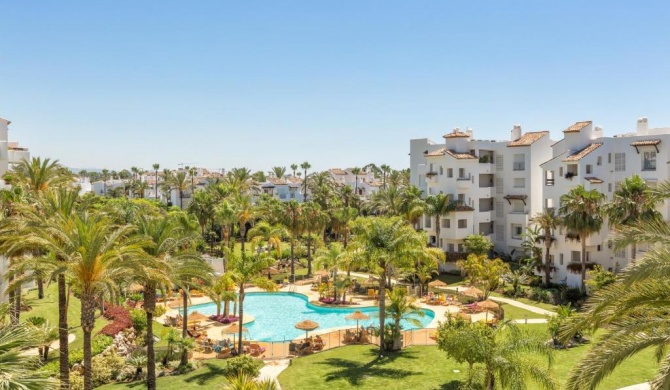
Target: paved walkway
column 54, row 345
column 639, row 386
column 273, row 368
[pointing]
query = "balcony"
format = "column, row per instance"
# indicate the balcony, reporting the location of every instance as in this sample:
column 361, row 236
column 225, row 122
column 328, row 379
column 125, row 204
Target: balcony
column 466, row 177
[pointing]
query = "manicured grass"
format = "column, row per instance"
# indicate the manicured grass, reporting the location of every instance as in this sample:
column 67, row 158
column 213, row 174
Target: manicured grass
column 517, row 313
column 451, row 280
column 48, row 308
column 358, row 366
column 209, row 376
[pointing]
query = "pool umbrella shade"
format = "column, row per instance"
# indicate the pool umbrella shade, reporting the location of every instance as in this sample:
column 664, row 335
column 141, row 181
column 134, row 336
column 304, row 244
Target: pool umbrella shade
column 473, row 292
column 357, row 315
column 234, row 329
column 195, row 316
column 464, row 316
column 306, row 325
column 437, row 284
column 488, row 305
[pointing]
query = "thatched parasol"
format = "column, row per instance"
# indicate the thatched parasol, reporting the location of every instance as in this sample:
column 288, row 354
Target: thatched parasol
column 357, row 315
column 437, row 283
column 306, row 325
column 322, row 272
column 234, row 329
column 196, row 317
column 135, row 288
column 488, row 305
column 472, row 292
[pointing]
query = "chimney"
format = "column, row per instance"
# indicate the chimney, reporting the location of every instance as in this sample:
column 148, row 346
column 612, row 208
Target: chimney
column 457, row 129
column 516, row 132
column 468, row 131
column 642, row 126
column 597, row 132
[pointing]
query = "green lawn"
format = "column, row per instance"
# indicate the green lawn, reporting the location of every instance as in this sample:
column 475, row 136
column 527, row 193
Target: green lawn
column 209, row 376
column 517, row 313
column 48, row 308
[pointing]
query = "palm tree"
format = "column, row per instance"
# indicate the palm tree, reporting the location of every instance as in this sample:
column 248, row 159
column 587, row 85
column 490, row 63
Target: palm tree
column 202, row 207
column 401, row 306
column 156, row 167
column 356, row 171
column 631, row 203
column 105, row 177
column 244, row 212
column 227, row 216
column 632, row 311
column 246, row 269
column 547, row 221
column 19, row 371
column 439, row 206
column 104, row 256
column 581, row 213
column 387, row 202
column 386, row 244
column 294, row 223
column 342, row 217
column 177, row 181
column 279, row 172
column 294, row 167
column 385, row 171
column 272, row 235
column 305, row 165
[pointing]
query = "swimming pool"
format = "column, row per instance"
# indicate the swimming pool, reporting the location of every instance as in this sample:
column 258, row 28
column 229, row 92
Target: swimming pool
column 277, row 313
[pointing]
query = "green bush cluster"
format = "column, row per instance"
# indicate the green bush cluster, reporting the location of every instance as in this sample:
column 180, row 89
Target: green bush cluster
column 100, row 343
column 159, row 310
column 243, row 364
column 139, row 319
column 75, row 356
column 104, row 368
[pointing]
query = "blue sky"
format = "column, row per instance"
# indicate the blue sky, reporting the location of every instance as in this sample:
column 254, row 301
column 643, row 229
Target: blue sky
column 337, row 83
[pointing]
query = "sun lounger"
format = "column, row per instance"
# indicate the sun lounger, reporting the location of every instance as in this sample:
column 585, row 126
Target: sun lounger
column 223, row 353
column 256, row 350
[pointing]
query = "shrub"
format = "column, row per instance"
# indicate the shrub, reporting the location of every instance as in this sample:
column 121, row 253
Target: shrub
column 159, row 310
column 51, row 368
column 76, row 381
column 105, row 367
column 137, row 297
column 540, row 295
column 100, row 342
column 120, row 320
column 572, row 296
column 243, row 364
column 75, row 356
column 139, row 319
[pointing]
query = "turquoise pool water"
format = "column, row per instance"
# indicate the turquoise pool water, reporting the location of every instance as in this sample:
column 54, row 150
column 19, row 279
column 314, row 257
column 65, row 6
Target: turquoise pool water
column 277, row 313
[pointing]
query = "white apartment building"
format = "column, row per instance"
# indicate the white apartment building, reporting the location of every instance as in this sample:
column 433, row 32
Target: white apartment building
column 366, row 186
column 285, row 189
column 584, row 156
column 10, row 153
column 497, row 183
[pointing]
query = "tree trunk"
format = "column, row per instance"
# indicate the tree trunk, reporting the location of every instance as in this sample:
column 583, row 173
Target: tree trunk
column 45, row 353
column 397, row 341
column 226, row 308
column 243, row 230
column 13, row 315
column 382, row 311
column 309, row 254
column 184, row 327
column 634, row 254
column 149, row 307
column 547, row 262
column 17, row 303
column 40, row 287
column 292, row 261
column 181, row 195
column 87, row 324
column 218, row 308
column 583, row 239
column 490, row 381
column 437, row 232
column 239, row 341
column 64, row 355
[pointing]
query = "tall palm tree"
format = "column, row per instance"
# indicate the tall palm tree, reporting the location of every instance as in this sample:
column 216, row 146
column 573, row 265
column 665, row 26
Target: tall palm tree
column 272, row 235
column 356, row 171
column 411, row 205
column 342, row 217
column 631, row 203
column 402, row 306
column 294, row 167
column 279, row 172
column 202, row 207
column 227, row 216
column 581, row 213
column 105, row 255
column 547, row 221
column 178, row 181
column 385, row 171
column 293, row 221
column 305, row 165
column 244, row 212
column 246, row 269
column 104, row 176
column 439, row 206
column 387, row 202
column 387, row 244
column 156, row 167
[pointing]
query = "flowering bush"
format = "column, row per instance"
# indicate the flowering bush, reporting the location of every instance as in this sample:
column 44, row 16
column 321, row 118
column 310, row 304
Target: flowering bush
column 120, row 318
column 224, row 320
column 332, row 301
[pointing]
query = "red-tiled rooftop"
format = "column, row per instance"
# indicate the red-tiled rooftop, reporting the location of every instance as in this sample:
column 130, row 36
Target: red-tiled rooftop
column 456, row 134
column 438, row 152
column 337, row 171
column 578, row 126
column 582, row 153
column 461, row 156
column 593, row 180
column 528, row 138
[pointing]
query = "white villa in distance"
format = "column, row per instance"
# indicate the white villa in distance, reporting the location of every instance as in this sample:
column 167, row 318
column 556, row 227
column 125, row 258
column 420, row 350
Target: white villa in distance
column 10, row 153
column 367, row 183
column 502, row 184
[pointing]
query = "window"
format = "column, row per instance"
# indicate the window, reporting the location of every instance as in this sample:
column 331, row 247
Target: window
column 620, row 253
column 461, row 198
column 519, row 182
column 560, row 259
column 609, row 158
column 430, row 168
column 462, row 223
column 519, row 162
column 609, row 187
column 446, row 223
column 549, row 203
column 441, row 171
column 461, row 173
column 518, row 207
column 560, row 171
column 589, row 169
column 451, row 248
column 619, row 162
column 575, row 256
column 549, row 178
column 450, row 172
column 649, row 161
column 599, row 162
column 598, row 248
column 517, row 230
column 428, row 222
column 460, row 248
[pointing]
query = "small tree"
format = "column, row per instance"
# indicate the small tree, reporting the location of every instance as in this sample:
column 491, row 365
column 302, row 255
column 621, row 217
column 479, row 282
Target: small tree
column 599, row 277
column 477, row 244
column 483, row 272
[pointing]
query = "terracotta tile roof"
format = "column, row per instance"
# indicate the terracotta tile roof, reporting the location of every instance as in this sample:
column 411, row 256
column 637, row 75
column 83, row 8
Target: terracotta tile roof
column 528, row 138
column 593, row 180
column 438, row 152
column 456, row 134
column 582, row 153
column 463, row 207
column 337, row 171
column 293, row 179
column 578, row 126
column 276, row 181
column 646, row 142
column 461, row 156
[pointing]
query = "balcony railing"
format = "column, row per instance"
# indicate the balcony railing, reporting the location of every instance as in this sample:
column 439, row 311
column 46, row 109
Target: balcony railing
column 549, row 182
column 464, row 178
